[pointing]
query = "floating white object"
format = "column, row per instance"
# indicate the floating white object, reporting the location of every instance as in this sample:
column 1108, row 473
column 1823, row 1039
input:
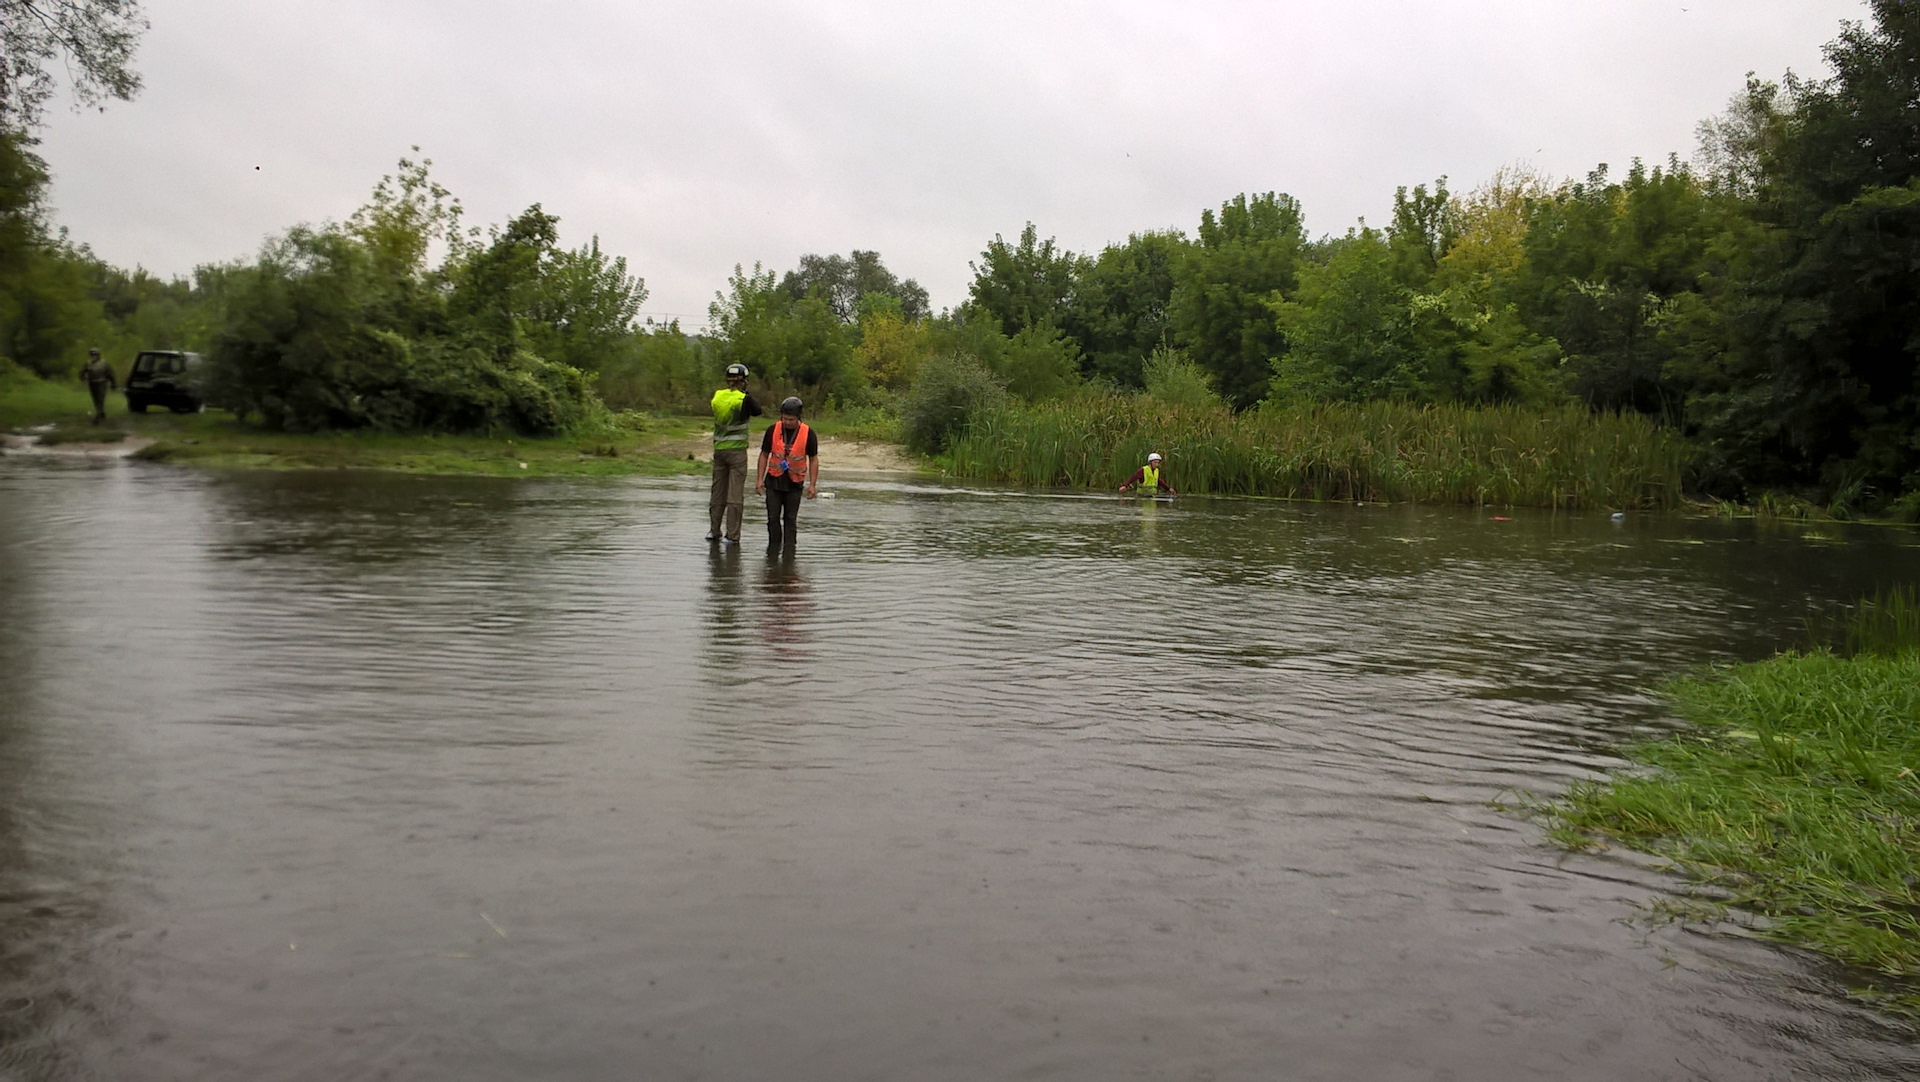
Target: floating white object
column 523, row 465
column 1618, row 515
column 826, row 495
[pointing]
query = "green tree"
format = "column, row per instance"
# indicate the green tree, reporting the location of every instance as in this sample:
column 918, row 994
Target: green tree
column 843, row 281
column 1039, row 363
column 347, row 326
column 93, row 40
column 1220, row 307
column 1026, row 284
column 1118, row 315
column 1604, row 260
column 1818, row 384
column 891, row 346
column 1350, row 327
column 46, row 309
column 661, row 368
column 794, row 343
column 1423, row 230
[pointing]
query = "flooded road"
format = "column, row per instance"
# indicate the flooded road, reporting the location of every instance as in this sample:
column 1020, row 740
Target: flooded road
column 341, row 776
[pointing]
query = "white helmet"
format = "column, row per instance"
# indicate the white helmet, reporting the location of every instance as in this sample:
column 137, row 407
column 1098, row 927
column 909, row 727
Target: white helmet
column 1154, row 457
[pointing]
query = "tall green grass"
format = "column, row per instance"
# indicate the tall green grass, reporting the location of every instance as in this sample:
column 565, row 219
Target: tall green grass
column 1374, row 451
column 1796, row 791
column 26, row 399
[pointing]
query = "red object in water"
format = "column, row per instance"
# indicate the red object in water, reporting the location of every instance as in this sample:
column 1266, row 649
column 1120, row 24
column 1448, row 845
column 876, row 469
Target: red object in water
column 1501, row 518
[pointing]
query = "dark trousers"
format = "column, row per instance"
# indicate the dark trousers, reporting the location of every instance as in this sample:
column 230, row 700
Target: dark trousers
column 783, row 516
column 99, row 391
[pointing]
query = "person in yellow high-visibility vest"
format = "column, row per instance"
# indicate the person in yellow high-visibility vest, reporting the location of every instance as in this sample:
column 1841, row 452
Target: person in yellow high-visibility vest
column 1150, row 478
column 732, row 408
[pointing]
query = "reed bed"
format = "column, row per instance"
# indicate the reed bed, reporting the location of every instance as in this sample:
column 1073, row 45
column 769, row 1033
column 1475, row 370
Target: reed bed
column 1377, row 452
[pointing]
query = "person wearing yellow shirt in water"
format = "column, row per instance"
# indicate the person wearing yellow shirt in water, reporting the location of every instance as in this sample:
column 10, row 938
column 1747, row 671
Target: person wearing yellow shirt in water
column 732, row 408
column 1150, row 478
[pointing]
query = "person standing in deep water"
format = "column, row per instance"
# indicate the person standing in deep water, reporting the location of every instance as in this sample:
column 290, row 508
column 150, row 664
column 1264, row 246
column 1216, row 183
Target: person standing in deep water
column 1149, row 477
column 99, row 377
column 789, row 464
column 732, row 408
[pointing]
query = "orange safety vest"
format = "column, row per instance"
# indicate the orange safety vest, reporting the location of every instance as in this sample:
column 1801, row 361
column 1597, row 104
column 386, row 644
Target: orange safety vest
column 790, row 459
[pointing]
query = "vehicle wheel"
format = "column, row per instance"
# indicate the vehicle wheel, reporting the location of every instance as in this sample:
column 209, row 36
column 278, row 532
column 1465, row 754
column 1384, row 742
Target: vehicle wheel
column 178, row 408
column 136, row 406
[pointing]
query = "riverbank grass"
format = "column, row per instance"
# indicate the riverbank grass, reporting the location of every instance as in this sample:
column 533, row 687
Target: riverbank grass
column 217, row 440
column 636, row 445
column 1795, row 794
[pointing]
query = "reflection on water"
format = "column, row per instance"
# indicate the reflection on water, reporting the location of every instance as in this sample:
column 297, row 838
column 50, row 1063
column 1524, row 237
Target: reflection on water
column 338, row 775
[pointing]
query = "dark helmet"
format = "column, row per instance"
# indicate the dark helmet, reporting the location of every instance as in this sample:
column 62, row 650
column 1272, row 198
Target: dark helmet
column 790, row 405
column 736, row 371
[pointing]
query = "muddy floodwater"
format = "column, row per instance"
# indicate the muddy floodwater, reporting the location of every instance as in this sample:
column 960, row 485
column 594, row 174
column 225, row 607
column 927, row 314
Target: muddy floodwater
column 351, row 776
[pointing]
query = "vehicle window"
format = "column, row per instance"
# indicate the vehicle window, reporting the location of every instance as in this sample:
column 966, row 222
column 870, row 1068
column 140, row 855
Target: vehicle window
column 176, row 364
column 143, row 363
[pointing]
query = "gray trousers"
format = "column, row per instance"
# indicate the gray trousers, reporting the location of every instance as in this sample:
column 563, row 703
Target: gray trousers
column 729, row 493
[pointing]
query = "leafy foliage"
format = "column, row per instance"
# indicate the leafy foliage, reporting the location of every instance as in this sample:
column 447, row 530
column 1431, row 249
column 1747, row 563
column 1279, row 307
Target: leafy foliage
column 1024, row 285
column 951, row 393
column 1120, row 300
column 1220, row 307
column 787, row 342
column 1172, row 377
column 662, row 368
column 349, row 326
column 93, row 39
column 891, row 347
column 845, row 282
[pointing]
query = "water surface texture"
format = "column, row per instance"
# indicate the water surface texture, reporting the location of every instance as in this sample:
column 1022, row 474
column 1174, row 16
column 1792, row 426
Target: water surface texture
column 344, row 776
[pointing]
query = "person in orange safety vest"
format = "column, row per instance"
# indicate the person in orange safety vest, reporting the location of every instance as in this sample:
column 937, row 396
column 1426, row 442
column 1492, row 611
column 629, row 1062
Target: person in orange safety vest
column 789, row 465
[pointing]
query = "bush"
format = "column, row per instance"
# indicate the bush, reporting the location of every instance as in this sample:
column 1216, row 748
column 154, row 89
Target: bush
column 1039, row 364
column 950, row 394
column 331, row 330
column 1173, row 378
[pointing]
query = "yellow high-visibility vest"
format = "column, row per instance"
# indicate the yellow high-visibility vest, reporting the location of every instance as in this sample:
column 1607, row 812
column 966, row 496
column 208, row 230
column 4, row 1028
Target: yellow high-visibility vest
column 729, row 428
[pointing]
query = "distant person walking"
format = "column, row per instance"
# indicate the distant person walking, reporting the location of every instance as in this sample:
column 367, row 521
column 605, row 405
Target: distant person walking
column 1150, row 477
column 732, row 408
column 99, row 377
column 789, row 464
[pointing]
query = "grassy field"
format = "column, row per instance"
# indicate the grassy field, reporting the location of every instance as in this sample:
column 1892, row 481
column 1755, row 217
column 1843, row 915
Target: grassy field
column 1376, row 452
column 1795, row 794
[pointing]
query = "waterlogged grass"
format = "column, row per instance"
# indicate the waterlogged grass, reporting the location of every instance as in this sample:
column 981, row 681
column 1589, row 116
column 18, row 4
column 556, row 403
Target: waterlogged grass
column 1795, row 793
column 231, row 445
column 1376, row 452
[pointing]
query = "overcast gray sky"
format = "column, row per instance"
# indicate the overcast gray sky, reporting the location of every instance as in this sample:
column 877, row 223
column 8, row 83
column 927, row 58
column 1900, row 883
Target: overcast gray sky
column 693, row 136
